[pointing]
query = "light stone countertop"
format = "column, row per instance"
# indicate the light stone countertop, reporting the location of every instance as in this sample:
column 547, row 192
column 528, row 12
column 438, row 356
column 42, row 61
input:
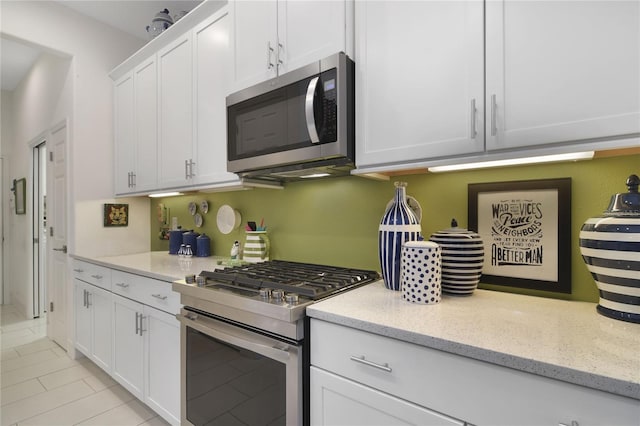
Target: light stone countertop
column 563, row 340
column 156, row 264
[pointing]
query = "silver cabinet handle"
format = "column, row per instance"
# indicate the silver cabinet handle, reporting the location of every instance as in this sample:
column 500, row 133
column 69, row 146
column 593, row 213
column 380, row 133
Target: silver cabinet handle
column 78, row 271
column 137, row 326
column 84, row 298
column 278, row 58
column 123, row 285
column 308, row 110
column 362, row 360
column 97, row 277
column 473, row 132
column 159, row 296
column 141, row 329
column 186, row 169
column 88, row 299
column 269, row 52
column 494, row 128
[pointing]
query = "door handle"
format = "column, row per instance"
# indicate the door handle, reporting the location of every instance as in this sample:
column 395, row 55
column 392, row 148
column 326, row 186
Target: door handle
column 308, row 110
column 63, row 249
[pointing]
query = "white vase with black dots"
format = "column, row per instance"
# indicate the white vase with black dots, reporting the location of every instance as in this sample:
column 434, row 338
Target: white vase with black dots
column 421, row 272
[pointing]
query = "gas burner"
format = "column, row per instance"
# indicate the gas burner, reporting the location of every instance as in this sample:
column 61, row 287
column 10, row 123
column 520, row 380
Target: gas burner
column 304, row 279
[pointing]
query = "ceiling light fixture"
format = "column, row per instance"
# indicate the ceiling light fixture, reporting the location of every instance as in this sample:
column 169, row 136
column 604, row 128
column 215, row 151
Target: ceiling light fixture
column 574, row 156
column 165, row 194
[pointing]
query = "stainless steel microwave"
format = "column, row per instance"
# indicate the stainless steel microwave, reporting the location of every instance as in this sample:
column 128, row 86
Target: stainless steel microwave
column 296, row 125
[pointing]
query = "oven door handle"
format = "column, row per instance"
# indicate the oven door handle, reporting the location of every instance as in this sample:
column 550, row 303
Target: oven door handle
column 279, row 351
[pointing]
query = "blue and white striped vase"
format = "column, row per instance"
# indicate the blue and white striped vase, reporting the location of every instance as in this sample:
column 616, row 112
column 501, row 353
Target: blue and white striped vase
column 610, row 247
column 399, row 224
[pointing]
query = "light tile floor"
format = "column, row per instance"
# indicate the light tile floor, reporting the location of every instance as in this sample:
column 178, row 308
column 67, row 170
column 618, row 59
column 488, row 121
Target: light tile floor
column 41, row 385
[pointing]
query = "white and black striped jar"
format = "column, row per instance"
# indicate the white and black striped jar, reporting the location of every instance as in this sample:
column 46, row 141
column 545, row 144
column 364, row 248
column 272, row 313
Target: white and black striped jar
column 398, row 225
column 462, row 259
column 610, row 247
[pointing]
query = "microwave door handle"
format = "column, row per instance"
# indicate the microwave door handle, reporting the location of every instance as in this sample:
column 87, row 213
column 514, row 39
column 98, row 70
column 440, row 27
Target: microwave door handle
column 308, row 110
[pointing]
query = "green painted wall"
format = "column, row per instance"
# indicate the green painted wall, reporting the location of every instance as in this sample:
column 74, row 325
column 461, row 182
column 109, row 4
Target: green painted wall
column 335, row 221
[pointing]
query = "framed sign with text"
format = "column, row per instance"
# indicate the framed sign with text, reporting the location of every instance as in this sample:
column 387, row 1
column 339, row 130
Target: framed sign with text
column 526, row 230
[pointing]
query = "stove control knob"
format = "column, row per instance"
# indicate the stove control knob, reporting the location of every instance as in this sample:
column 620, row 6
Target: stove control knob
column 291, row 298
column 277, row 294
column 265, row 293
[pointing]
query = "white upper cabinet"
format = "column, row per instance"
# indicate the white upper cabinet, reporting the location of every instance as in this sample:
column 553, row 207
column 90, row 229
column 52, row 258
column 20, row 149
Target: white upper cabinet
column 419, row 80
column 561, row 71
column 273, row 37
column 440, row 82
column 212, row 79
column 124, row 133
column 145, row 114
column 175, row 89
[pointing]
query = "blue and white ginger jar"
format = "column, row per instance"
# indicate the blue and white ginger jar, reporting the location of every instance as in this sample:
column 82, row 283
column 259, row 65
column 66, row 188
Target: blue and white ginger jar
column 399, row 224
column 610, row 247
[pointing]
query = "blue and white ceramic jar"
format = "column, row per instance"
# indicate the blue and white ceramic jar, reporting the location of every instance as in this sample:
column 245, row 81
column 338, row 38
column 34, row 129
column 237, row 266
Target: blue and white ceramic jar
column 610, row 247
column 462, row 259
column 399, row 224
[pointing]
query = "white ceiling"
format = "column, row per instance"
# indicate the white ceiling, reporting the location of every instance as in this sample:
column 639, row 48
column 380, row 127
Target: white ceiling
column 130, row 16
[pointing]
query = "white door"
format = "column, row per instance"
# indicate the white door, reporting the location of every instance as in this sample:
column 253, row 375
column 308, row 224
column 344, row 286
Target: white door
column 146, row 126
column 419, row 80
column 124, row 133
column 175, row 105
column 57, row 243
column 312, row 30
column 254, row 41
column 128, row 346
column 561, row 71
column 82, row 317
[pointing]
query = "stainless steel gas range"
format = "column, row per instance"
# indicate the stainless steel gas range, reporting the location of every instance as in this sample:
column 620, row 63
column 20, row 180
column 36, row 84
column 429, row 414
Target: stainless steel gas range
column 245, row 341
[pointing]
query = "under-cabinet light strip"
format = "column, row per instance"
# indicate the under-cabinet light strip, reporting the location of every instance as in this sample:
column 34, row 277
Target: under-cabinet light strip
column 574, row 156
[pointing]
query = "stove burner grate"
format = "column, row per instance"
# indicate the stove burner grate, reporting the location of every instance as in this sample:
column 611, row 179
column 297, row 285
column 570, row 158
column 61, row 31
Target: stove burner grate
column 306, row 279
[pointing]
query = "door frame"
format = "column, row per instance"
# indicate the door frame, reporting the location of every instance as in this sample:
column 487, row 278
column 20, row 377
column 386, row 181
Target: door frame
column 39, row 247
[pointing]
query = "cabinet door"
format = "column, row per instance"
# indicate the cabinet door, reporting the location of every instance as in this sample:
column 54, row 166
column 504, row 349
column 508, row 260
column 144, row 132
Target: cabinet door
column 101, row 308
column 312, row 30
column 128, row 346
column 338, row 401
column 146, row 125
column 561, row 71
column 124, row 133
column 83, row 318
column 254, row 41
column 162, row 354
column 175, row 105
column 212, row 80
column 419, row 79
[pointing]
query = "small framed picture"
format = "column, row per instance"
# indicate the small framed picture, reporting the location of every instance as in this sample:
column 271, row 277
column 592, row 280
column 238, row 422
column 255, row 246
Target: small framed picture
column 526, row 230
column 116, row 214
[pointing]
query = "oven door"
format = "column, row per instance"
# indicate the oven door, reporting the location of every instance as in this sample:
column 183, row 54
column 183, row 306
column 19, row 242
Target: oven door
column 233, row 375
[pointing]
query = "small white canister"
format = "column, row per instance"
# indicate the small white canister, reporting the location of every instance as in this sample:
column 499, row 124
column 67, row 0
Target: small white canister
column 421, row 272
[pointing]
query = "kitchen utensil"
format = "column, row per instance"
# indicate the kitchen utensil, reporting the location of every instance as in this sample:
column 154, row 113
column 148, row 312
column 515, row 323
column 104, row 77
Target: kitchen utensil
column 228, row 219
column 420, row 272
column 610, row 247
column 462, row 259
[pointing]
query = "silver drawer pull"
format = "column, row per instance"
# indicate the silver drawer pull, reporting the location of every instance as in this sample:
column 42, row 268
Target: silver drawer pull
column 123, row 285
column 362, row 360
column 78, row 270
column 159, row 296
column 97, row 277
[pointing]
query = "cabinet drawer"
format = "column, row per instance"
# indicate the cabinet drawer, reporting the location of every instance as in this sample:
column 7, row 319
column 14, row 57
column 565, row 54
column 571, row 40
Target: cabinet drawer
column 92, row 274
column 155, row 293
column 464, row 388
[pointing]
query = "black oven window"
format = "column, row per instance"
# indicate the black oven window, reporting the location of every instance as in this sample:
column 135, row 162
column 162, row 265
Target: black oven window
column 229, row 386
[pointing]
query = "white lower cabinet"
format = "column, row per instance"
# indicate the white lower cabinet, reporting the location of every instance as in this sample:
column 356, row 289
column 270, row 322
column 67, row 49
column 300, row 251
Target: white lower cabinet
column 363, row 378
column 127, row 328
column 339, row 401
column 146, row 355
column 93, row 323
